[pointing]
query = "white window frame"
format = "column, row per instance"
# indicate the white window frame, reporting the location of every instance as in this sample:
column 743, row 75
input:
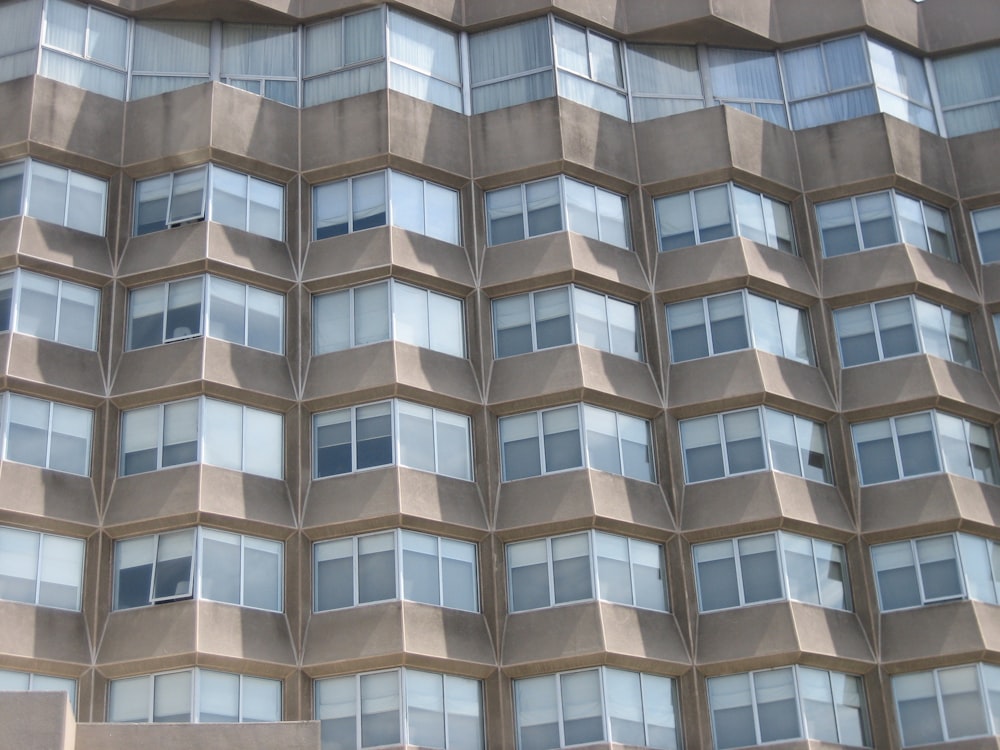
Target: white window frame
column 594, row 566
column 397, row 536
column 17, row 277
column 52, row 407
column 574, row 331
column 27, row 184
column 40, row 563
column 199, row 437
column 781, row 551
column 394, row 438
column 984, row 695
column 582, row 433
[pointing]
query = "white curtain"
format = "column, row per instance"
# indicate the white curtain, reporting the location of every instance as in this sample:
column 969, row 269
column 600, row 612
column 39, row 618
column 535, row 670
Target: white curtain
column 511, row 51
column 20, row 24
column 169, row 55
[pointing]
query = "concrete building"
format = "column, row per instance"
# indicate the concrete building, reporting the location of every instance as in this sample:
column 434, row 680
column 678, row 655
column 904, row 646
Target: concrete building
column 461, row 374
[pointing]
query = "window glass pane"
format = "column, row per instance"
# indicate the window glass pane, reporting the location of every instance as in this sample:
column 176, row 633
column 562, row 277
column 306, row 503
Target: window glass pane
column 688, row 332
column 128, row 699
column 459, row 584
column 760, row 568
column 897, row 333
column 817, row 704
column 512, row 325
column 218, row 697
column 717, row 583
column 744, row 443
column 464, row 706
column 939, row 568
column 336, row 710
column 180, row 433
column 728, row 323
column 410, row 314
column 624, row 696
column 187, row 200
column 87, row 201
column 537, row 713
column 581, row 208
column 831, row 567
column 47, row 193
column 331, row 216
column 848, row 701
column 172, row 576
column 977, row 567
column 260, row 699
column 876, row 452
column 78, row 312
column 623, row 319
column 61, row 571
column 986, row 223
column 519, row 440
column 376, row 568
column 11, row 188
column 36, row 310
column 896, row 575
column 911, row 221
column 441, row 219
column 750, row 215
column 334, row 574
column 581, row 707
column 612, row 213
column 266, row 210
column 229, row 198
column 165, row 48
column 917, row 707
column 332, row 322
column 220, row 566
column 380, row 709
column 172, row 697
column 265, row 320
column 637, row 454
column 424, row 708
column 416, row 436
column 614, row 579
column 528, row 572
column 877, row 224
column 800, row 569
column 505, row 214
column 571, row 575
column 648, row 574
column 552, row 318
column 838, row 228
column 262, row 579
column 18, row 564
column 781, row 442
column 28, row 430
column 368, row 201
column 675, row 221
column 702, row 449
column 371, row 313
column 146, row 316
column 263, row 443
column 561, row 439
column 6, row 300
column 544, row 209
column 712, row 208
column 511, row 53
column 856, row 333
column 140, row 439
column 184, row 312
column 917, row 449
column 227, row 310
column 69, row 448
column 446, row 324
column 776, row 709
column 602, row 440
column 134, row 571
column 732, row 711
column 453, row 444
column 407, row 201
column 962, row 701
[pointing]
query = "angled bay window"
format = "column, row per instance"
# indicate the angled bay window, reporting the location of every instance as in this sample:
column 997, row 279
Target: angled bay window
column 20, row 29
column 759, row 439
column 722, row 211
column 771, row 567
column 968, row 88
column 878, row 219
column 898, row 327
column 574, row 437
column 924, row 443
column 262, row 59
column 565, row 315
column 53, row 194
column 400, row 706
column 943, row 705
column 987, row 225
column 49, row 308
column 47, row 434
column 31, row 682
column 392, row 432
column 397, row 564
column 202, row 429
column 748, row 80
column 388, row 310
column 589, row 565
column 194, row 696
column 852, row 77
column 198, row 563
column 386, row 197
column 220, row 308
column 209, row 192
column 597, row 705
column 933, row 569
column 511, row 65
column 737, row 320
column 42, row 569
column 782, row 704
column 663, row 80
column 589, row 69
column 169, row 55
column 554, row 205
column 85, row 47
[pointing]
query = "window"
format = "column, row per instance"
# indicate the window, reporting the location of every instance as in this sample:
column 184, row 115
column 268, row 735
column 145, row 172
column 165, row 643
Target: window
column 968, row 87
column 214, row 432
column 224, row 309
column 53, row 194
column 511, row 65
column 194, row 695
column 589, row 69
column 942, row 705
column 898, row 327
column 22, row 681
column 759, row 439
column 424, row 61
column 392, row 432
column 221, row 195
column 847, row 78
column 85, row 47
column 781, row 704
column 397, row 564
column 388, row 310
column 887, row 218
column 42, row 569
column 386, row 197
column 169, row 55
column 934, row 569
column 49, row 308
column 663, row 80
column 924, row 443
column 595, row 705
column 737, row 320
column 400, row 706
column 987, row 225
column 47, row 434
column 748, row 80
column 585, row 566
column 565, row 315
column 572, row 437
column 21, row 21
column 262, row 59
column 719, row 212
column 554, row 205
column 200, row 563
column 771, row 567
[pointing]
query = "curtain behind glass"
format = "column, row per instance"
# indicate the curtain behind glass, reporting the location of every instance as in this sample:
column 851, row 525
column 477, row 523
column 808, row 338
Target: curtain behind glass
column 511, row 52
column 19, row 33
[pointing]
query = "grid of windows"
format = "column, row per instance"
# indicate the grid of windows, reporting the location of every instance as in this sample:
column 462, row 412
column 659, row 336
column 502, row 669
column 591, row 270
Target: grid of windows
column 397, row 564
column 565, row 315
column 898, row 327
column 405, row 706
column 924, row 443
column 595, row 705
column 201, row 563
column 42, row 569
column 584, row 566
column 53, row 194
column 783, row 704
column 947, row 704
column 738, row 442
column 49, row 308
column 737, row 320
column 202, row 429
column 770, row 567
column 571, row 437
column 194, row 695
column 392, row 432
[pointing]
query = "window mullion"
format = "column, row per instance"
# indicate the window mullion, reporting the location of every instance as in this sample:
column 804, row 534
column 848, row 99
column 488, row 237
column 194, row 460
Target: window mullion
column 396, row 437
column 199, row 431
column 550, row 564
column 356, row 567
column 895, row 446
column 571, row 297
column 434, row 437
column 524, row 210
column 350, row 201
column 581, row 436
column 38, row 567
column 779, row 546
column 404, row 713
column 738, row 567
column 532, row 322
column 48, row 434
column 354, row 438
column 199, row 543
column 397, row 554
column 540, row 427
column 857, row 224
column 914, row 551
column 559, row 710
column 753, row 705
column 592, row 563
column 722, row 444
column 798, row 701
column 152, row 575
column 243, row 568
column 707, row 318
column 940, row 704
column 694, row 218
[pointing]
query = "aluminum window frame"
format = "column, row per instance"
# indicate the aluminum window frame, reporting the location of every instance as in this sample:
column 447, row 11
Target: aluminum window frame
column 7, row 422
column 27, row 186
column 17, row 276
column 992, row 726
column 40, row 560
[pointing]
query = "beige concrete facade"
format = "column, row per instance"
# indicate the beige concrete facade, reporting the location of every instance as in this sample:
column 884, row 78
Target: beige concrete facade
column 300, row 148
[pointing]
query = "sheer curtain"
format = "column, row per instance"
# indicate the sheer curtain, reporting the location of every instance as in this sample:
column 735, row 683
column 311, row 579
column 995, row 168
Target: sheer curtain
column 257, row 54
column 664, row 80
column 829, row 82
column 169, row 55
column 969, row 90
column 332, row 46
column 19, row 33
column 750, row 77
column 521, row 53
column 424, row 61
